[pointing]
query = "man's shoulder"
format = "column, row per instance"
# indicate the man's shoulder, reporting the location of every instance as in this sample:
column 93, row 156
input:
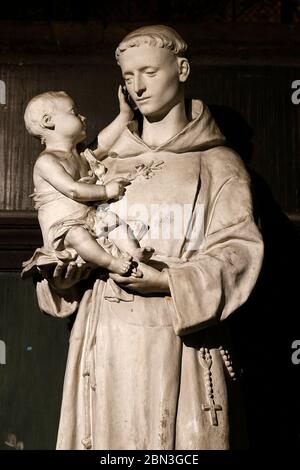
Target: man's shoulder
column 224, row 163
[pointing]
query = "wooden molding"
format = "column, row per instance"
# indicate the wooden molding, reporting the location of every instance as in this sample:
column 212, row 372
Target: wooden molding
column 94, row 42
column 20, row 235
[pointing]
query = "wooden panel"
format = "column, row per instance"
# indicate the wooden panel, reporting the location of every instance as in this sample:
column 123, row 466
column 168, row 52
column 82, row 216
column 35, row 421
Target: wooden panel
column 254, row 108
column 20, row 235
column 32, row 378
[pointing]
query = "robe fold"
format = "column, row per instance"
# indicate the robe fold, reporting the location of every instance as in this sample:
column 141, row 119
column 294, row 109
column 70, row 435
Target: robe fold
column 155, row 372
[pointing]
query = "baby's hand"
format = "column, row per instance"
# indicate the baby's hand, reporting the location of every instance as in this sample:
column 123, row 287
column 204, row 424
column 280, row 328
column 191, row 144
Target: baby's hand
column 116, row 188
column 125, row 109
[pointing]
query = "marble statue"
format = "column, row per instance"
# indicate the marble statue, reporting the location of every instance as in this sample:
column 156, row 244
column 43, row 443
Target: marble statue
column 150, row 364
column 65, row 181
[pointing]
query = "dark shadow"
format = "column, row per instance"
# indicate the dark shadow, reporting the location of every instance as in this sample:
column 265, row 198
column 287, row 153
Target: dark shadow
column 264, row 329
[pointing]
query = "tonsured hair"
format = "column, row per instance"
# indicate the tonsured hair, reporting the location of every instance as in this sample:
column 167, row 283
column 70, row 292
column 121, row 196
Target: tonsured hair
column 155, row 36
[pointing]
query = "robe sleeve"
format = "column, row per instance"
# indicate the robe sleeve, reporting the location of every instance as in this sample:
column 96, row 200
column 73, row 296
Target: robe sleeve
column 57, row 304
column 220, row 277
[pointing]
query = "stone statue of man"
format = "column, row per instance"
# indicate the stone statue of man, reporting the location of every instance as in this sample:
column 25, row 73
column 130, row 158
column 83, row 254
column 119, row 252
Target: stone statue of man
column 150, row 366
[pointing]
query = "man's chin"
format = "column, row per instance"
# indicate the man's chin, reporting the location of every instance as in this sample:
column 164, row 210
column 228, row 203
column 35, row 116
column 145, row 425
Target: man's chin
column 153, row 116
column 148, row 111
column 146, row 108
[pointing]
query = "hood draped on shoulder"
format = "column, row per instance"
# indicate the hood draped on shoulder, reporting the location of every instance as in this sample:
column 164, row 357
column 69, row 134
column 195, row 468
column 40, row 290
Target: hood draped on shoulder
column 201, row 133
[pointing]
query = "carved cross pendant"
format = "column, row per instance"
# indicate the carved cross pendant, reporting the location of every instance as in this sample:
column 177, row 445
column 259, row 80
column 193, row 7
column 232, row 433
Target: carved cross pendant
column 212, row 408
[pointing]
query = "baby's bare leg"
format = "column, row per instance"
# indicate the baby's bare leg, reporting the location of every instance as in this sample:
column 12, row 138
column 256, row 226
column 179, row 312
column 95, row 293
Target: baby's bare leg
column 89, row 250
column 124, row 239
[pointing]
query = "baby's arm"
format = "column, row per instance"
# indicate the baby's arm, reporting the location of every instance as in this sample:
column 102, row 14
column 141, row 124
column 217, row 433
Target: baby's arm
column 108, row 136
column 49, row 169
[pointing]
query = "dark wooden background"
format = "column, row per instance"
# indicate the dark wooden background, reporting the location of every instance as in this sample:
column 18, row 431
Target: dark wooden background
column 245, row 56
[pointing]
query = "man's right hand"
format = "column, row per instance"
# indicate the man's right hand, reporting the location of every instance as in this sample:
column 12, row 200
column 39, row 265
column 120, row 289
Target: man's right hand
column 66, row 275
column 116, row 188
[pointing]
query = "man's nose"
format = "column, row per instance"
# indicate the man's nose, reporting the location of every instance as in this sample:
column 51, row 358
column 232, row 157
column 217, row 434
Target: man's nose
column 83, row 118
column 139, row 86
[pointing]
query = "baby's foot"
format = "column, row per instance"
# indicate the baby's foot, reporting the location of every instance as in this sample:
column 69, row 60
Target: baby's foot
column 119, row 266
column 143, row 254
column 135, row 271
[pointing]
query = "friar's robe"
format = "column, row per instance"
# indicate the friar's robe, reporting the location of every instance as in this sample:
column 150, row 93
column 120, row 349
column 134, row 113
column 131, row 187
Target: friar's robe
column 153, row 372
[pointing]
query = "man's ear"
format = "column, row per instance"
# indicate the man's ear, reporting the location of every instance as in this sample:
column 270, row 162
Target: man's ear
column 47, row 121
column 184, row 69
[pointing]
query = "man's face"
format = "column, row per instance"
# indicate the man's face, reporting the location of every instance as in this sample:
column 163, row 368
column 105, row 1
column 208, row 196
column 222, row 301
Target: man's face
column 151, row 76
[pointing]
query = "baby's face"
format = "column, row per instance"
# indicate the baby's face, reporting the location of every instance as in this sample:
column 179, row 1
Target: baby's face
column 68, row 123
